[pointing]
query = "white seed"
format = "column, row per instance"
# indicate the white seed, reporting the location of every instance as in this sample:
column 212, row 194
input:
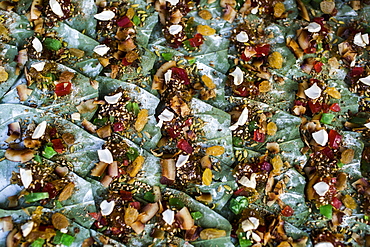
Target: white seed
column 313, row 27
column 27, row 228
column 243, row 118
column 167, row 75
column 365, row 80
column 173, row 2
column 182, row 160
column 168, row 216
column 321, row 188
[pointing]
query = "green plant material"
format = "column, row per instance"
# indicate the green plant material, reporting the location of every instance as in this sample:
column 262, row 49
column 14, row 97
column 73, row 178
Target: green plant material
column 64, row 239
column 187, row 45
column 196, row 215
column 58, row 204
column 51, row 77
column 358, row 120
column 100, row 121
column 38, row 159
column 237, row 205
column 327, row 118
column 192, row 61
column 327, row 211
column 49, row 152
column 167, row 56
column 36, row 196
column 252, row 126
column 38, row 242
column 176, row 202
column 340, row 164
column 149, row 196
column 136, row 20
column 52, row 44
column 133, row 107
column 237, row 141
column 132, row 153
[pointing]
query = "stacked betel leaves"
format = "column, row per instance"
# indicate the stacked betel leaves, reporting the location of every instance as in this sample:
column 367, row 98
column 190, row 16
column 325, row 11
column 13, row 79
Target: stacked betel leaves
column 181, row 123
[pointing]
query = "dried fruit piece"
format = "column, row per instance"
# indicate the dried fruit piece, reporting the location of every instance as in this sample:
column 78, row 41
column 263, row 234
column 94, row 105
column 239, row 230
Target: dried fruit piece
column 271, row 128
column 327, row 7
column 3, row 74
column 59, row 221
column 276, row 60
column 264, row 87
column 131, row 215
column 333, row 92
column 215, row 150
column 206, row 162
column 130, row 13
column 208, row 82
column 207, row 177
column 77, row 52
column 134, row 168
column 279, row 9
column 205, row 14
column 212, row 233
column 142, row 119
column 205, row 30
column 349, row 202
column 347, row 156
column 67, row 192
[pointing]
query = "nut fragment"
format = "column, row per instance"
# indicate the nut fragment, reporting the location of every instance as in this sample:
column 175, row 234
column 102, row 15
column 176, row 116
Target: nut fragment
column 67, row 192
column 59, row 221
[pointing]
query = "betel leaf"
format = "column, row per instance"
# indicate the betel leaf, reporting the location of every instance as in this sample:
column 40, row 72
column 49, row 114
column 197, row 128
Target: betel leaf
column 151, row 134
column 63, row 105
column 8, row 56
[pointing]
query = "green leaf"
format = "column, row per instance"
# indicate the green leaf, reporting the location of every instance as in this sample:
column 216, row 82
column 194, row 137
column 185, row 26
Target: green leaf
column 133, row 107
column 52, row 44
column 132, row 153
column 136, row 20
column 36, row 196
column 327, row 211
column 38, row 159
column 149, row 196
column 176, row 202
column 63, row 238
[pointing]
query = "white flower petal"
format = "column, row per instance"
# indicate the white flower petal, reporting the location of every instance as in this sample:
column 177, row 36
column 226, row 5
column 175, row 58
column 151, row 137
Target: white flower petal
column 313, row 92
column 167, row 75
column 173, row 2
column 365, row 80
column 27, row 228
column 38, row 66
column 106, row 207
column 105, row 156
column 40, row 130
column 113, row 99
column 26, row 177
column 101, row 49
column 168, row 216
column 182, row 160
column 36, row 43
column 242, row 37
column 56, row 8
column 175, row 29
column 238, row 75
column 106, row 15
column 358, row 40
column 313, row 27
column 321, row 188
column 320, row 137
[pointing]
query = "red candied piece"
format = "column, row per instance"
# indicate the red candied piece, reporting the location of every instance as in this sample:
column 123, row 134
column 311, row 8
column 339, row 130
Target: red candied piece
column 334, row 139
column 62, row 89
column 58, row 145
column 125, row 22
column 196, row 41
column 180, row 74
column 287, row 211
column 185, row 146
column 335, row 107
column 258, row 136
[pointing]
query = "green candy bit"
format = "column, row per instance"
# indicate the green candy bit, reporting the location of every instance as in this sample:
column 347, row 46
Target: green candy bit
column 38, row 159
column 327, row 211
column 133, row 107
column 187, row 45
column 149, row 196
column 52, row 44
column 252, row 126
column 167, row 56
column 176, row 202
column 136, row 20
column 36, row 196
column 192, row 61
column 243, row 242
column 340, row 164
column 49, row 152
column 196, row 215
column 237, row 141
column 132, row 153
column 366, row 217
column 58, row 204
column 100, row 121
column 238, row 204
column 64, row 239
column 38, row 242
column 327, row 118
